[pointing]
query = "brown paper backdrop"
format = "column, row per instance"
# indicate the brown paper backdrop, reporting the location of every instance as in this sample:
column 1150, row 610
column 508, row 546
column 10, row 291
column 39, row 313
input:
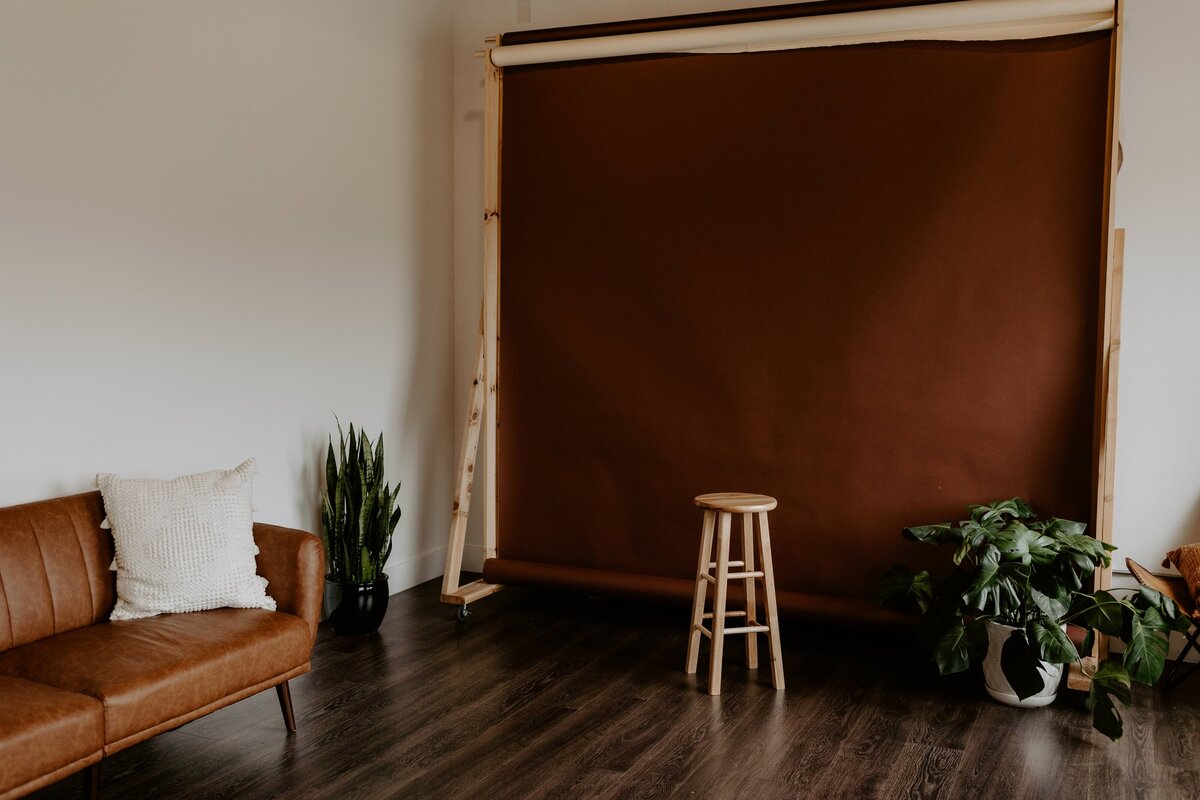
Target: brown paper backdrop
column 863, row 280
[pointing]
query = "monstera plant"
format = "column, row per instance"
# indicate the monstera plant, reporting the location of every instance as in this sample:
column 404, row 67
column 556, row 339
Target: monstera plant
column 1017, row 582
column 358, row 517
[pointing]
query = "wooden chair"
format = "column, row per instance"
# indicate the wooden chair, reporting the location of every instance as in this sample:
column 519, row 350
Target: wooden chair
column 718, row 514
column 1176, row 589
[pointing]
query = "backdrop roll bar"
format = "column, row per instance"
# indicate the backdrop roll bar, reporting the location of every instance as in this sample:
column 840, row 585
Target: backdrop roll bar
column 966, row 20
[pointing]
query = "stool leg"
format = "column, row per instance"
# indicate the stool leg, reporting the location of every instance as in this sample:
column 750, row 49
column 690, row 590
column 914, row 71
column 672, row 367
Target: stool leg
column 764, row 556
column 706, row 539
column 751, row 606
column 724, row 520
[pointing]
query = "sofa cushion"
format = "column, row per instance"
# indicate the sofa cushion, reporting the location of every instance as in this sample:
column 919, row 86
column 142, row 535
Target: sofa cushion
column 152, row 671
column 43, row 729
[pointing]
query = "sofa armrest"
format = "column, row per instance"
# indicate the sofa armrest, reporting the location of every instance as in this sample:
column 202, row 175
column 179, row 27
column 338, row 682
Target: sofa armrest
column 293, row 562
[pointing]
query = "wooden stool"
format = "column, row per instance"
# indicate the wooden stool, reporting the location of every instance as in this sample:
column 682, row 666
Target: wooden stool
column 718, row 511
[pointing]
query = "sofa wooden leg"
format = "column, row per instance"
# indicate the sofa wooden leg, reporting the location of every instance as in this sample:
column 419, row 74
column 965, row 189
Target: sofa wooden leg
column 285, row 705
column 91, row 782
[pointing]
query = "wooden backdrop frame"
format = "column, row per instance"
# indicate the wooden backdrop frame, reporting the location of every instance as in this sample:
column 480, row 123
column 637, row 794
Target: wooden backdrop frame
column 481, row 410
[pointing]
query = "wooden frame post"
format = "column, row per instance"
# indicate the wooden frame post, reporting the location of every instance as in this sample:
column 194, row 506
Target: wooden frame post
column 1077, row 678
column 1108, row 347
column 481, row 410
column 1109, row 340
column 491, row 288
column 466, row 478
column 1108, row 420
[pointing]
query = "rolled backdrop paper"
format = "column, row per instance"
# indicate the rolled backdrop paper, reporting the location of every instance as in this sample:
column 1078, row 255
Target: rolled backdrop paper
column 965, row 20
column 864, row 280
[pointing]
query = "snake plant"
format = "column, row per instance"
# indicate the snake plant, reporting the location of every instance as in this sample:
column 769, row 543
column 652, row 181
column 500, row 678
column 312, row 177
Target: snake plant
column 358, row 509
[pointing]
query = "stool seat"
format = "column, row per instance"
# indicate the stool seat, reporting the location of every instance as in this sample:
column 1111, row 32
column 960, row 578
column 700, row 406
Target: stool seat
column 737, row 502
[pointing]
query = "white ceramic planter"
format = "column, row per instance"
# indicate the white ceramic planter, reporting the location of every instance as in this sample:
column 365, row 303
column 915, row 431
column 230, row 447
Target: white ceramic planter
column 999, row 687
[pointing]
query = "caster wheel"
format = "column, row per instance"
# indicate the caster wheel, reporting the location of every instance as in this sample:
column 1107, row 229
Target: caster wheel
column 463, row 613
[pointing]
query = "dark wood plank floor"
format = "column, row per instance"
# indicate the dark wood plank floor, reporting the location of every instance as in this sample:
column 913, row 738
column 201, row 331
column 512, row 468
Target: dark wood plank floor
column 549, row 696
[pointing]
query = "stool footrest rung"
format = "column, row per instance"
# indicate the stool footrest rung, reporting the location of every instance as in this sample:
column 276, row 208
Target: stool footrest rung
column 732, row 631
column 713, row 564
column 708, row 614
column 733, row 576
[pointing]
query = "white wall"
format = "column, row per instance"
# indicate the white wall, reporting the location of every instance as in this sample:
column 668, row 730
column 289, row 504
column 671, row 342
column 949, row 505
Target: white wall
column 221, row 222
column 1157, row 500
column 1157, row 503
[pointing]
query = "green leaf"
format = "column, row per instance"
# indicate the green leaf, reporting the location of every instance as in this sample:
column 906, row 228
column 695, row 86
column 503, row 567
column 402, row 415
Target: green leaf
column 1071, row 528
column 1014, row 541
column 1018, row 543
column 974, row 533
column 330, row 468
column 1080, row 543
column 977, row 638
column 1105, row 613
column 1016, row 508
column 932, row 534
column 367, row 572
column 983, row 588
column 1053, row 643
column 1021, row 508
column 1109, row 682
column 899, row 586
column 367, row 463
column 1089, row 641
column 1087, row 553
column 1146, row 649
column 1172, row 618
column 1063, row 571
column 379, row 457
column 1049, row 595
column 1021, row 665
column 964, row 549
column 952, row 653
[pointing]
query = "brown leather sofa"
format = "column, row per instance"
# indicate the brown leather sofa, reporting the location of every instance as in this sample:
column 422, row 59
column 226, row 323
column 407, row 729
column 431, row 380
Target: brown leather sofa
column 75, row 688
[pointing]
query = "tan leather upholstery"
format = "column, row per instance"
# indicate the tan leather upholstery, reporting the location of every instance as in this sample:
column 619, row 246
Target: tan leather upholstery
column 74, row 687
column 54, row 574
column 293, row 562
column 43, row 729
column 150, row 670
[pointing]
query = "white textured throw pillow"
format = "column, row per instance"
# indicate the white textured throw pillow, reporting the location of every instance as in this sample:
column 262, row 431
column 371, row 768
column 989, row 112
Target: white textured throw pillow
column 184, row 545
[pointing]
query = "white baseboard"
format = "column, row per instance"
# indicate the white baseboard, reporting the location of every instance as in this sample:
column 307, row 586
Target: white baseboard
column 406, row 573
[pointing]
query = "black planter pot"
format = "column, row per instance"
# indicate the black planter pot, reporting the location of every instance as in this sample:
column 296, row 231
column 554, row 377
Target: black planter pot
column 355, row 609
